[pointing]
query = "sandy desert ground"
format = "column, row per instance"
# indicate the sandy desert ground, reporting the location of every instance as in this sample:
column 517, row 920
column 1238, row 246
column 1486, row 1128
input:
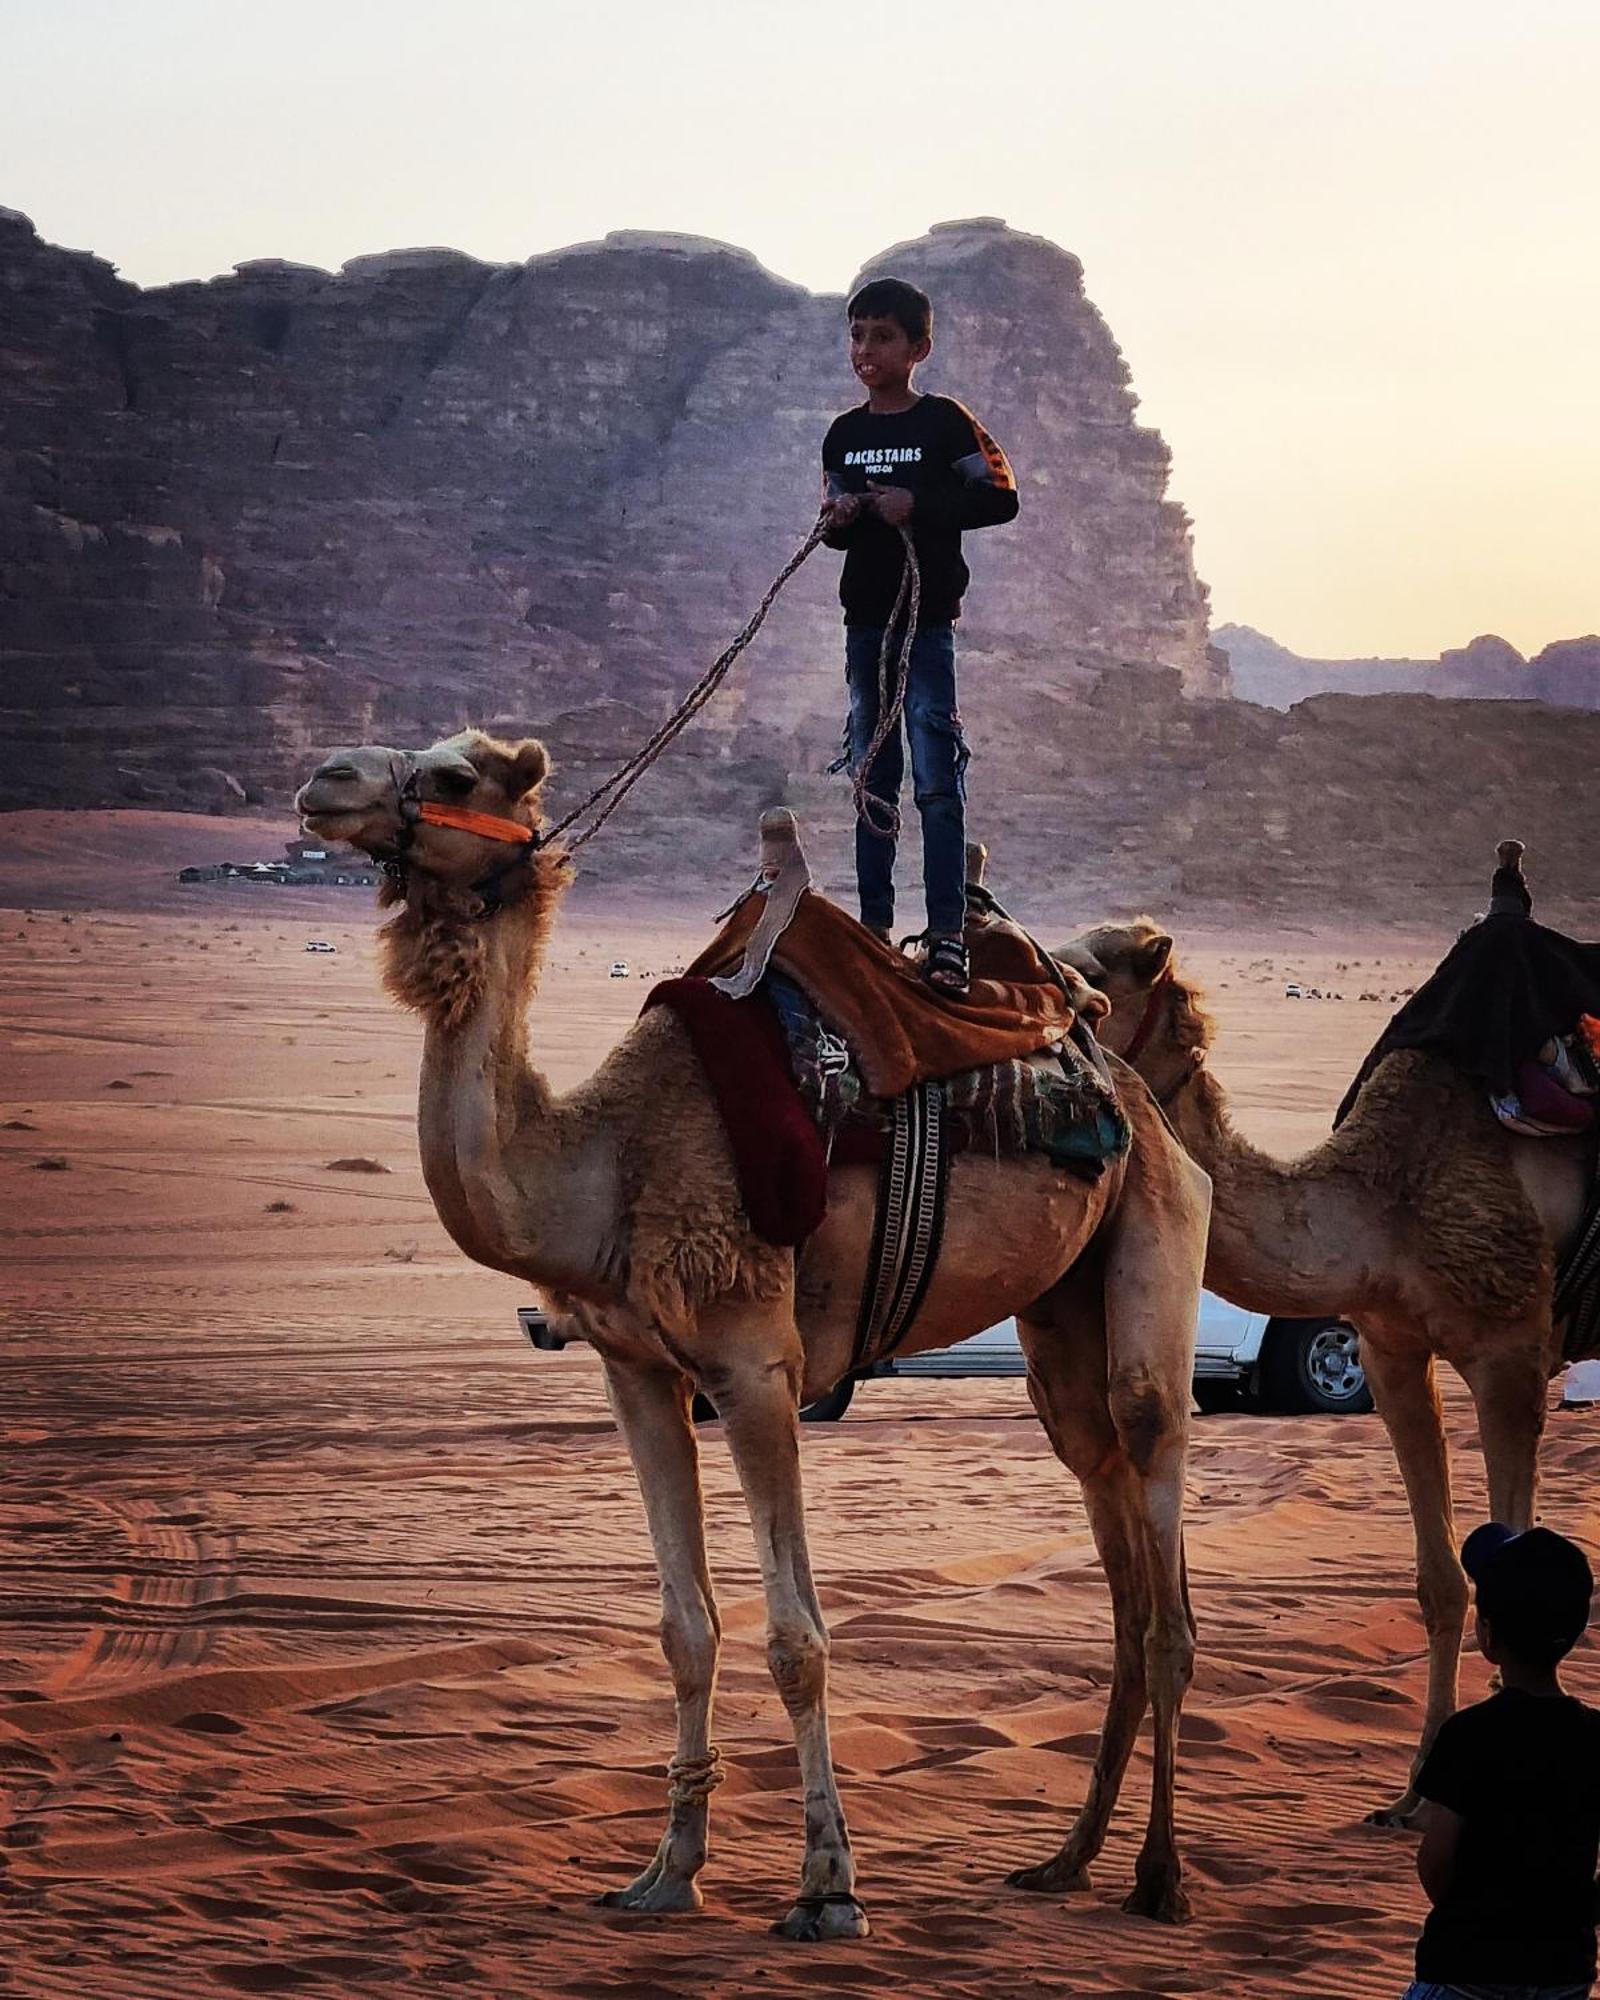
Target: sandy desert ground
column 327, row 1617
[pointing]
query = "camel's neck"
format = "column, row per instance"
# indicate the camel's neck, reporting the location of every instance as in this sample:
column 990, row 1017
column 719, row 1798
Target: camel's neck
column 1287, row 1237
column 519, row 1184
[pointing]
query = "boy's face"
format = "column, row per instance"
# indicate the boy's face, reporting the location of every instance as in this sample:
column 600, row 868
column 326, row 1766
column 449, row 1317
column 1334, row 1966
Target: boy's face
column 883, row 354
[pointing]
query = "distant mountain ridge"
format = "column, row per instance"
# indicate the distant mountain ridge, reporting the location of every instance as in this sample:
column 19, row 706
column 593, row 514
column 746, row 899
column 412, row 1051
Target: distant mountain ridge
column 1566, row 673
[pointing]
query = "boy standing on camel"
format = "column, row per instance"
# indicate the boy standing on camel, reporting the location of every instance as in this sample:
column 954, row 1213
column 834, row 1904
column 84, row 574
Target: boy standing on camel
column 923, row 463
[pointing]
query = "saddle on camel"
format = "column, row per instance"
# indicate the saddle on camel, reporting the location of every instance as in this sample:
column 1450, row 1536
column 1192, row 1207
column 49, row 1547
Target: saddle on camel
column 1516, row 1007
column 824, row 1046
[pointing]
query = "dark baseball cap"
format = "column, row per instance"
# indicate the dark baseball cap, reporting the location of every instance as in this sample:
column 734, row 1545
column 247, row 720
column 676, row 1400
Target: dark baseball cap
column 1534, row 1586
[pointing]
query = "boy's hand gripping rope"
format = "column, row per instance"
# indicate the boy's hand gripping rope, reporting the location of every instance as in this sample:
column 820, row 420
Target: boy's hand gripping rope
column 610, row 793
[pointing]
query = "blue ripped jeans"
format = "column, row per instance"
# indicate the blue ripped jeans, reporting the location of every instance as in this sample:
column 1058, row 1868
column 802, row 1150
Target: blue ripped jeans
column 938, row 773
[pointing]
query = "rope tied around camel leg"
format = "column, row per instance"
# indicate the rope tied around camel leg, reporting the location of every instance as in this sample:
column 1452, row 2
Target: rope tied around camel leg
column 692, row 1780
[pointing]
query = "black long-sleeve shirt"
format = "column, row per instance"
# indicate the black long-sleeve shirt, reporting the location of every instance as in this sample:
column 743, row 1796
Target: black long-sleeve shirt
column 958, row 478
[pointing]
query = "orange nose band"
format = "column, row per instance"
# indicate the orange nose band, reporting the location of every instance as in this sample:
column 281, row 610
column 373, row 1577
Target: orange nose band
column 465, row 820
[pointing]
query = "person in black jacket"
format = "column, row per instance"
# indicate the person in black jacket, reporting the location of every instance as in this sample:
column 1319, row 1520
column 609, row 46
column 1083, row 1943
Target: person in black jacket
column 1511, row 1790
column 925, row 463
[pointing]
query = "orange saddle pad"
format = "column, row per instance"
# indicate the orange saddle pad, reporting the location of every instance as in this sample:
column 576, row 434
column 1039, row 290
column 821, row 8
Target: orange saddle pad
column 900, row 1030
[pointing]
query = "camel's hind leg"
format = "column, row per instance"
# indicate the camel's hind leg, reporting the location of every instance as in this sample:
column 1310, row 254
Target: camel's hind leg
column 755, row 1384
column 1153, row 1256
column 1510, row 1384
column 651, row 1405
column 1067, row 1385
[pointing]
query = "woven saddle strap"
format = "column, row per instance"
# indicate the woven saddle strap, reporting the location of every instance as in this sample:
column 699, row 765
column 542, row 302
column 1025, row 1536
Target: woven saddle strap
column 912, row 1188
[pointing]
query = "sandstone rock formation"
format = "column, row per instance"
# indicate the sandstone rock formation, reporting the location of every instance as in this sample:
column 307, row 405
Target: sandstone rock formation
column 1377, row 808
column 1566, row 673
column 247, row 518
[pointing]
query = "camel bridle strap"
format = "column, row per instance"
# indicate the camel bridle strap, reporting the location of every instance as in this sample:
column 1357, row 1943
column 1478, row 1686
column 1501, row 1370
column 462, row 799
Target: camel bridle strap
column 488, row 825
column 1193, row 1059
column 1147, row 1020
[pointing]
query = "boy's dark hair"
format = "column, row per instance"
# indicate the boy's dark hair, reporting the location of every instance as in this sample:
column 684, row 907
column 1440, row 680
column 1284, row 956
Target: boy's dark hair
column 1534, row 1588
column 893, row 298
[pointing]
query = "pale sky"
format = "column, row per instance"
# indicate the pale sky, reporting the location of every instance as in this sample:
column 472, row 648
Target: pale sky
column 1349, row 248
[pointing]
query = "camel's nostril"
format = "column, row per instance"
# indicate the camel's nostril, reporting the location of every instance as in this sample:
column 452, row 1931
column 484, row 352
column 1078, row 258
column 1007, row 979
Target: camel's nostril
column 338, row 771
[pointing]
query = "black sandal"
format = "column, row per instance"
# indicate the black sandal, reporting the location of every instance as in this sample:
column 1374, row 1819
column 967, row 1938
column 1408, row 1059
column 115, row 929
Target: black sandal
column 947, row 968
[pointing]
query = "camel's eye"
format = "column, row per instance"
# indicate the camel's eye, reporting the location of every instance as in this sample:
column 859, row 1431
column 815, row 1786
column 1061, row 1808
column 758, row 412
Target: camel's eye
column 456, row 784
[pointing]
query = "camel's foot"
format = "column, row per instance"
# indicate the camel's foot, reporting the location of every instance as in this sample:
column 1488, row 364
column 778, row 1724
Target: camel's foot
column 1059, row 1876
column 1402, row 1815
column 1158, row 1893
column 816, row 1918
column 658, row 1889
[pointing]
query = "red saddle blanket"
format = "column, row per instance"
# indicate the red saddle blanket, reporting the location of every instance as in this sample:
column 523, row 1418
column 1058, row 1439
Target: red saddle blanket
column 899, row 1029
column 777, row 1150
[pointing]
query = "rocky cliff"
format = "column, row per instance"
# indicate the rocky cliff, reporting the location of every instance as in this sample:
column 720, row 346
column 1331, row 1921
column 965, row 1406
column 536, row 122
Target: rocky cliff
column 248, row 518
column 1381, row 808
column 243, row 520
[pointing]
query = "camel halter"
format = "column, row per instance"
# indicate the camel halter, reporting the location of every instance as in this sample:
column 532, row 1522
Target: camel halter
column 1193, row 1058
column 1147, row 1020
column 412, row 810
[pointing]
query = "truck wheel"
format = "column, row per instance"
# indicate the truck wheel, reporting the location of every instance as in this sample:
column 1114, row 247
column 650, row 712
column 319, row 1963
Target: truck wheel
column 827, row 1409
column 831, row 1406
column 1313, row 1366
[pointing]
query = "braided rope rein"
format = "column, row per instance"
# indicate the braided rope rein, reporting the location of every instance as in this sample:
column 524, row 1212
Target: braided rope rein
column 908, row 601
column 623, row 780
column 611, row 791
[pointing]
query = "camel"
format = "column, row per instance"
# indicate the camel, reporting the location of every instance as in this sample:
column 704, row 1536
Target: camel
column 1421, row 1220
column 619, row 1203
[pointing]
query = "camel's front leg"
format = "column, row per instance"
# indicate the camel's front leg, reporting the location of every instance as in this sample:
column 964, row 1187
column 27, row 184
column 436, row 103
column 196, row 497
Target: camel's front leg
column 651, row 1406
column 1401, row 1373
column 757, row 1391
column 1152, row 1299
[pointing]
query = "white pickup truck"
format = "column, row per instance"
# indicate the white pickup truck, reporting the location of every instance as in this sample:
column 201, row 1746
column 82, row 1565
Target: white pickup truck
column 1243, row 1360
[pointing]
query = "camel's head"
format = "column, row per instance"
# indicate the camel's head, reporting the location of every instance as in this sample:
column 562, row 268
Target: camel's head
column 1156, row 1021
column 377, row 799
column 1124, row 962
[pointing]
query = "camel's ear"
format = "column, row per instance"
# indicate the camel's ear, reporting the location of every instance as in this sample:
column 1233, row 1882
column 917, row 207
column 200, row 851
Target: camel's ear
column 530, row 766
column 1149, row 957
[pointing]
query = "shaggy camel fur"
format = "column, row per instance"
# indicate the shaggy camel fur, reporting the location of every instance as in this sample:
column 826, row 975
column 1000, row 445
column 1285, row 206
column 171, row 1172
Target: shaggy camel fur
column 619, row 1203
column 1421, row 1220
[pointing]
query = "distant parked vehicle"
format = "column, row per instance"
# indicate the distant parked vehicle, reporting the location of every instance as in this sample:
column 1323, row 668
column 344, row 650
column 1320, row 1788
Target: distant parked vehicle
column 320, row 944
column 619, row 968
column 1294, row 991
column 1243, row 1361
